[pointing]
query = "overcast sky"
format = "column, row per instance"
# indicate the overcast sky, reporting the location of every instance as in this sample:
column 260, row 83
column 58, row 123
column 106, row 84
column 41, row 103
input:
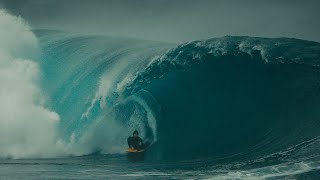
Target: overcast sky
column 174, row 20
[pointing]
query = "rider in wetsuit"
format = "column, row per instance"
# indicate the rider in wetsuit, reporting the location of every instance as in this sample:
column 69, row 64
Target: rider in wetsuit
column 135, row 142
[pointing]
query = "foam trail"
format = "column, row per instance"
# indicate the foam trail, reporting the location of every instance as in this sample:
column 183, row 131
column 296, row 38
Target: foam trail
column 27, row 128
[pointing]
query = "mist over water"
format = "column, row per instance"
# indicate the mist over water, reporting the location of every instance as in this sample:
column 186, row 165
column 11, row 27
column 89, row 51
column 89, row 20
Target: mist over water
column 27, row 127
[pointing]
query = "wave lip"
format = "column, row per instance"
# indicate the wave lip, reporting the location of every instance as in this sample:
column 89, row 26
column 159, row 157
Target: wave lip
column 270, row 50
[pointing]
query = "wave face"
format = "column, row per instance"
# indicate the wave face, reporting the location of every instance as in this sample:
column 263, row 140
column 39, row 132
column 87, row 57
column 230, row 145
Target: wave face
column 83, row 77
column 230, row 100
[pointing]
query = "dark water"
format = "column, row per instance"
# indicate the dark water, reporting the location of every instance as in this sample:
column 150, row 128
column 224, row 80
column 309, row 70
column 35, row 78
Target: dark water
column 124, row 167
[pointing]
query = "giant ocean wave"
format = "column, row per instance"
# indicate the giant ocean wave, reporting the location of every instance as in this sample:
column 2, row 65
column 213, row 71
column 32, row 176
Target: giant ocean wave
column 223, row 100
column 242, row 97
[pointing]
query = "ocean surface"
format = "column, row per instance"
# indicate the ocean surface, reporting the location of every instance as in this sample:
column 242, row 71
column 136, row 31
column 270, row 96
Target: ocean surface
column 221, row 108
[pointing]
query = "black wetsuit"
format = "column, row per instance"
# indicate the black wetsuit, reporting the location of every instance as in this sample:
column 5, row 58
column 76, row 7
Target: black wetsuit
column 135, row 143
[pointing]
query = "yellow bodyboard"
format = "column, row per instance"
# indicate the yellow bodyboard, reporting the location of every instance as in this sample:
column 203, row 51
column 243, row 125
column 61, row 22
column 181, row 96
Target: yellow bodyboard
column 134, row 150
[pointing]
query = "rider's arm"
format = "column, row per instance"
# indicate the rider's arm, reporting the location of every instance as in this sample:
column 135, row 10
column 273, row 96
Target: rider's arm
column 128, row 140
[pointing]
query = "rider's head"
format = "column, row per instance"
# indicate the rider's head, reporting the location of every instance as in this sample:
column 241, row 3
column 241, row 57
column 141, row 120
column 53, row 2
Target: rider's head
column 135, row 133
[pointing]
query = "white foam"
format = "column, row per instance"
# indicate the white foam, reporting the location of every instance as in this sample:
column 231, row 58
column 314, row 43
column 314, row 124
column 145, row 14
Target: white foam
column 276, row 171
column 27, row 128
column 143, row 174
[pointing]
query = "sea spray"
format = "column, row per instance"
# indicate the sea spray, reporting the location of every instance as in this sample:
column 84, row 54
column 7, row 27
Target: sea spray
column 27, row 127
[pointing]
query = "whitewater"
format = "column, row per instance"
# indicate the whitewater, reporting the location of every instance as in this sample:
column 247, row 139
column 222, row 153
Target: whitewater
column 222, row 108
